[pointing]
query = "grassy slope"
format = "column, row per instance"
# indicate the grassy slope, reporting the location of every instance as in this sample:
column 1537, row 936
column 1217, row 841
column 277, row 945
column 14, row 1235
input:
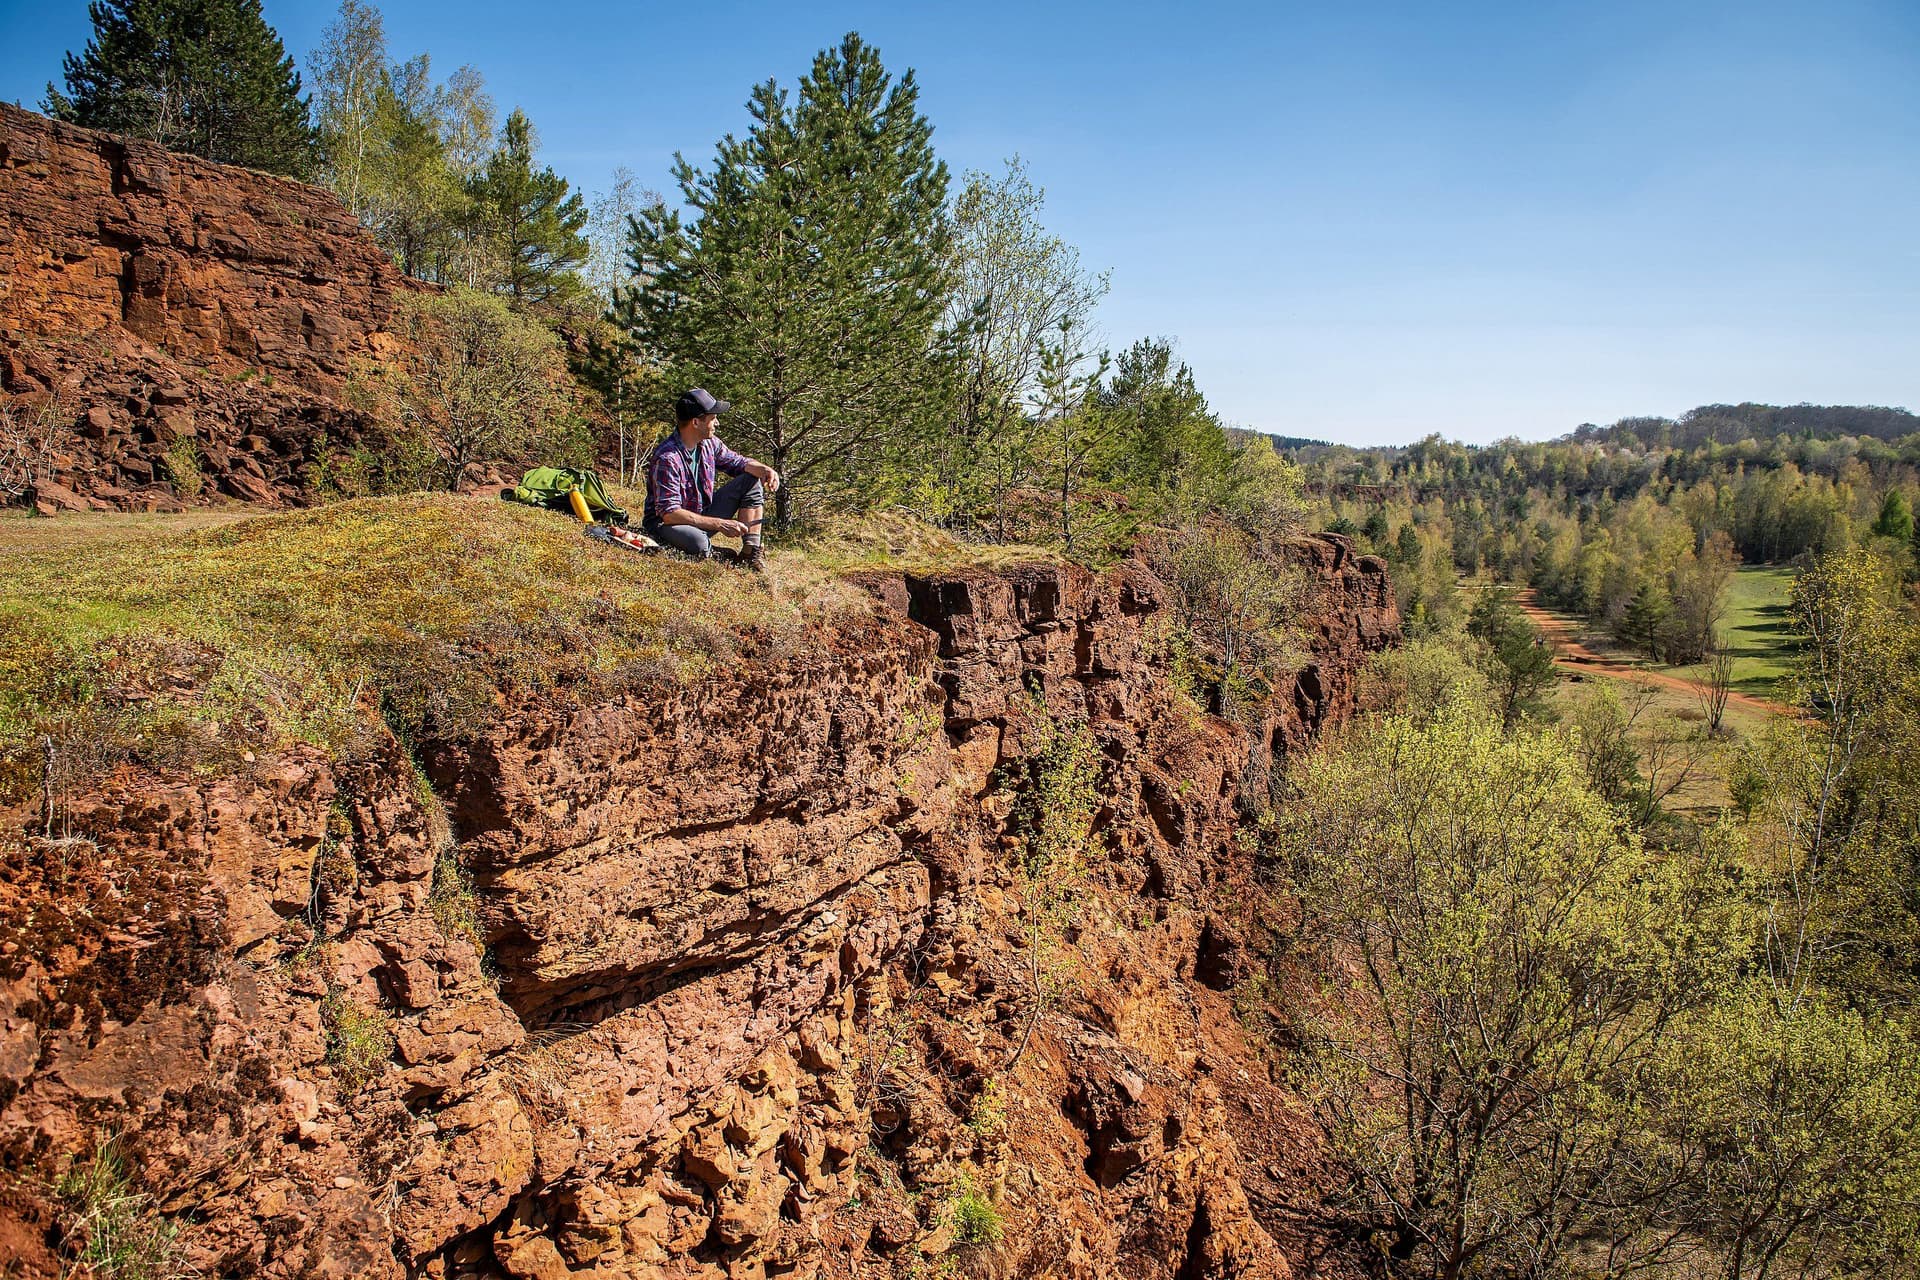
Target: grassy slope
column 203, row 643
column 191, row 639
column 1756, row 630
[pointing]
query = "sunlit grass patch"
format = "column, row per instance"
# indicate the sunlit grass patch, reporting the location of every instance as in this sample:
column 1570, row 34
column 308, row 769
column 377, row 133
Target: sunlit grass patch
column 359, row 1039
column 892, row 541
column 1756, row 631
column 113, row 1230
column 434, row 610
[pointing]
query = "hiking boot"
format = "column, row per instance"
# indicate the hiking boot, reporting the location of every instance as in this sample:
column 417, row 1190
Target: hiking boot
column 754, row 557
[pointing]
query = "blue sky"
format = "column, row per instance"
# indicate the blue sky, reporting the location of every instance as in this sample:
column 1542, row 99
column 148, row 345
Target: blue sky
column 1361, row 222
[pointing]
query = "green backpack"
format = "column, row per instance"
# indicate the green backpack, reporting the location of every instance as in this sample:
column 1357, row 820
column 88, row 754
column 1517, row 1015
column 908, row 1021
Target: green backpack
column 549, row 487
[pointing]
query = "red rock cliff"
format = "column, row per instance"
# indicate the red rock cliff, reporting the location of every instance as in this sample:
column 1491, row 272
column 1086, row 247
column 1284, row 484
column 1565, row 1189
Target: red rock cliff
column 155, row 297
column 758, row 973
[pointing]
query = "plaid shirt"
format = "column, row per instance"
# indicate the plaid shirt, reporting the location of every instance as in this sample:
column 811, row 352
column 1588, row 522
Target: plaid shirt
column 676, row 479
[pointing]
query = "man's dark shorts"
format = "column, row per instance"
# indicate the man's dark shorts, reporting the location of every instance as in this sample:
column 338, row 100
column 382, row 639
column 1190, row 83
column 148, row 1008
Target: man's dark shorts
column 741, row 491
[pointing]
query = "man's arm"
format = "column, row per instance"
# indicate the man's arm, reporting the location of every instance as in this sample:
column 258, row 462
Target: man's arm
column 712, row 524
column 740, row 464
column 669, row 479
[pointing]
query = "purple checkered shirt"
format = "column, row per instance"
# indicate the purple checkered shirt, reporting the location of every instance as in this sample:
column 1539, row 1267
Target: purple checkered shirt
column 673, row 483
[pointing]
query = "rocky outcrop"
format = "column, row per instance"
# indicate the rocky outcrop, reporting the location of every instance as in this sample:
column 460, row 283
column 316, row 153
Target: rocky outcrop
column 167, row 310
column 758, row 986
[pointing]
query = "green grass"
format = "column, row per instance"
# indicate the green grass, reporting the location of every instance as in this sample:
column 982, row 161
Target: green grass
column 453, row 903
column 433, row 610
column 112, row 1230
column 887, row 541
column 359, row 1040
column 1756, row 630
column 976, row 1219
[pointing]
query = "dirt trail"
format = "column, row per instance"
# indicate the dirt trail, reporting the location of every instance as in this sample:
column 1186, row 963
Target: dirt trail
column 1575, row 656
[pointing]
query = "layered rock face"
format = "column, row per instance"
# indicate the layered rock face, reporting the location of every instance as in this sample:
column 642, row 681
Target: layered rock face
column 767, row 986
column 149, row 298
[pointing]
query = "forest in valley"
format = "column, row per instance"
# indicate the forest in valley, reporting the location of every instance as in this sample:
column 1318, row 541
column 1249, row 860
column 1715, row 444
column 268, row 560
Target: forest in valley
column 1637, row 526
column 1572, row 982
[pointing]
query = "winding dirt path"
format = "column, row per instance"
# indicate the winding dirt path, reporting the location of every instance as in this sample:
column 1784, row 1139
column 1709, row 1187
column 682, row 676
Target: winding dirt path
column 1575, row 656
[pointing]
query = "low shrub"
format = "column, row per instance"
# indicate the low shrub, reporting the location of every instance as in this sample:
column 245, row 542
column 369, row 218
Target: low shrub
column 976, row 1219
column 181, row 462
column 452, row 902
column 359, row 1040
column 113, row 1231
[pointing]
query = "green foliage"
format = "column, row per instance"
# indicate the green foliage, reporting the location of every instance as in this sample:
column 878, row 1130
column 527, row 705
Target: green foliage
column 810, row 284
column 480, row 381
column 1646, row 618
column 976, row 1220
column 452, row 901
column 1701, row 1053
column 1834, row 791
column 1856, row 645
column 1014, row 285
column 400, row 149
column 1057, row 778
column 208, row 77
column 535, row 222
column 1603, row 740
column 1637, row 527
column 1516, row 658
column 359, row 1040
column 113, row 1231
column 1056, row 787
column 1422, row 677
column 1424, row 583
column 1794, row 1131
column 988, row 1117
column 1406, row 545
column 181, row 462
column 1501, row 959
column 401, row 461
column 1236, row 604
column 1896, row 517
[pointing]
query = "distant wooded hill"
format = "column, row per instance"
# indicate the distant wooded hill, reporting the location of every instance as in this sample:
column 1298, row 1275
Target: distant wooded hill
column 1723, row 424
column 1732, row 423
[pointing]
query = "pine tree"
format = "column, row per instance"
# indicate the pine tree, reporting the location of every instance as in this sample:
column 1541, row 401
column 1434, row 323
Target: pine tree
column 1406, row 548
column 208, row 77
column 537, row 223
column 1896, row 517
column 809, row 287
column 1645, row 623
column 1375, row 528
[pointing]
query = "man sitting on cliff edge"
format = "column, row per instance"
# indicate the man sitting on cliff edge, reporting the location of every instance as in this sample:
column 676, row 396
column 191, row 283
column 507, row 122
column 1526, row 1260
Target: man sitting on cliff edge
column 684, row 510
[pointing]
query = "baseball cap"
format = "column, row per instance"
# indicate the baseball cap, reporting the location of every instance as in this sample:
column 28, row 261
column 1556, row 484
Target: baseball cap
column 697, row 404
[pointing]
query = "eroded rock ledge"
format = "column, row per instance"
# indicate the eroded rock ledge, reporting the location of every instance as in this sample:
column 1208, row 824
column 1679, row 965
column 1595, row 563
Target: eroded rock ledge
column 755, row 972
